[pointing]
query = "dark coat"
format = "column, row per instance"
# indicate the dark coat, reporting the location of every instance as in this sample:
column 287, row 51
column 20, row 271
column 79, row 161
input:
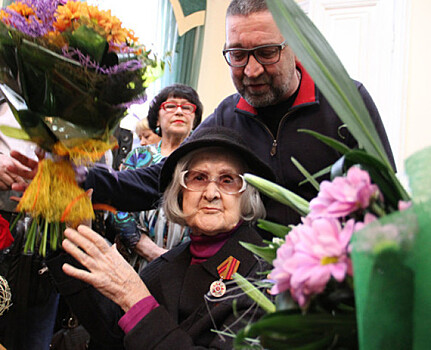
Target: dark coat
column 184, row 319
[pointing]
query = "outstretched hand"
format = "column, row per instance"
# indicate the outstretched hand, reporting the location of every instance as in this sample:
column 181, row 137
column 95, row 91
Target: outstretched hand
column 7, row 178
column 108, row 271
column 23, row 168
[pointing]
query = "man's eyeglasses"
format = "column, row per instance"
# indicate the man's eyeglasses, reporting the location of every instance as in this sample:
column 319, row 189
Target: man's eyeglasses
column 198, row 181
column 265, row 54
column 187, row 108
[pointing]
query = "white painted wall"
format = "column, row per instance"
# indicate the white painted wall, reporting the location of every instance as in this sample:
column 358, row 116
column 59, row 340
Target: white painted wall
column 418, row 113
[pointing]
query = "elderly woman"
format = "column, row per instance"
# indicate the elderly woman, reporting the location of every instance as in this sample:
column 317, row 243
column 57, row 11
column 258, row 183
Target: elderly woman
column 181, row 297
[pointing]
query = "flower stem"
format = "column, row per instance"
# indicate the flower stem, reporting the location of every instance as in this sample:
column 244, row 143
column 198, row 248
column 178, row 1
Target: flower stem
column 14, row 222
column 377, row 209
column 31, row 237
column 42, row 249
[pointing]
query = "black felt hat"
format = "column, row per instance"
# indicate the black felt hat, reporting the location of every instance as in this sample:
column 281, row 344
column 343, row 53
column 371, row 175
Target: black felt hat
column 216, row 136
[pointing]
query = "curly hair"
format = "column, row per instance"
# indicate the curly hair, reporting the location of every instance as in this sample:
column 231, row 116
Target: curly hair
column 178, row 91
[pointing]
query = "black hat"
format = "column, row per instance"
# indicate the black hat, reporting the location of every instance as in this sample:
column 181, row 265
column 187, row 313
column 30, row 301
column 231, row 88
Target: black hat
column 216, row 136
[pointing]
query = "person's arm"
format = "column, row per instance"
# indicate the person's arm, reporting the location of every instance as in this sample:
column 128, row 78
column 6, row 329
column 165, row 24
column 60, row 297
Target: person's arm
column 129, row 190
column 108, row 271
column 148, row 249
column 102, row 267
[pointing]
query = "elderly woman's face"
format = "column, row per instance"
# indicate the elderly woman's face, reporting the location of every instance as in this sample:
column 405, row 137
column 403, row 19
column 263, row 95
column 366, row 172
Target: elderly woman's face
column 211, row 211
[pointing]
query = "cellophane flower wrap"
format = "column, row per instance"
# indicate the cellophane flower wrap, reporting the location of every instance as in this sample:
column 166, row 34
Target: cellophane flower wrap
column 69, row 71
column 356, row 272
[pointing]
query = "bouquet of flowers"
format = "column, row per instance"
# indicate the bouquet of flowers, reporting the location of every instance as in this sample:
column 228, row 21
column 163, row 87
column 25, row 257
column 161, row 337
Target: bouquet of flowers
column 356, row 272
column 69, row 71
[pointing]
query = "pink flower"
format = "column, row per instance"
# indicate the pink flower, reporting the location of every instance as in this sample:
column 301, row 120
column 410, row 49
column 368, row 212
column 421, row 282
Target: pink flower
column 313, row 252
column 343, row 195
column 403, row 205
column 367, row 219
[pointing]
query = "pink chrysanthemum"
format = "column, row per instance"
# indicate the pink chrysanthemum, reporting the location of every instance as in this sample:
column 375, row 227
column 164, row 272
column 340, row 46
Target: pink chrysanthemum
column 343, row 195
column 313, row 252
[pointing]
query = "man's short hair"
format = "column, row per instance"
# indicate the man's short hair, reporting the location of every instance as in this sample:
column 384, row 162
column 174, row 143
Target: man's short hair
column 245, row 7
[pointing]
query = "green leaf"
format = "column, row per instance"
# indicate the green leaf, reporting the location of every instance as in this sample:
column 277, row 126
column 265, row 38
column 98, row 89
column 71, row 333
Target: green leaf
column 276, row 229
column 266, row 253
column 279, row 193
column 152, row 73
column 337, row 145
column 89, row 42
column 306, row 174
column 325, row 68
column 320, row 173
column 15, row 133
column 254, row 293
column 297, row 331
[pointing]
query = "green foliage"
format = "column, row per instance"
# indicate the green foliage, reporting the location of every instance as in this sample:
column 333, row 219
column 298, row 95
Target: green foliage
column 279, row 193
column 306, row 174
column 254, row 293
column 290, row 330
column 337, row 145
column 15, row 133
column 276, row 229
column 267, row 253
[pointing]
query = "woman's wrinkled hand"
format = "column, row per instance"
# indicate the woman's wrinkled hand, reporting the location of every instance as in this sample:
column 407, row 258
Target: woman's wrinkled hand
column 107, row 271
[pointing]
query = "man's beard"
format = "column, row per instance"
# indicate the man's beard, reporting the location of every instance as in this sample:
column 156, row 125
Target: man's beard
column 272, row 97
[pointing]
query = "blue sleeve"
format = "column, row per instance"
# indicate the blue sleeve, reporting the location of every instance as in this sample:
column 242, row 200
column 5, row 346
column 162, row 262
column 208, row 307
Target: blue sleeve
column 127, row 190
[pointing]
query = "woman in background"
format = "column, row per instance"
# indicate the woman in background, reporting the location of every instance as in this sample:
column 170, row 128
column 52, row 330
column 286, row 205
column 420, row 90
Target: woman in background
column 173, row 114
column 145, row 134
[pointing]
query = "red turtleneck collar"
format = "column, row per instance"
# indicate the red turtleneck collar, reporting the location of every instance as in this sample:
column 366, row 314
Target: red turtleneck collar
column 204, row 247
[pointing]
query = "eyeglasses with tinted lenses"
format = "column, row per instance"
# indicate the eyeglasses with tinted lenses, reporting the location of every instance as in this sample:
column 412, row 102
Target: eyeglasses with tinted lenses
column 198, row 181
column 187, row 108
column 265, row 54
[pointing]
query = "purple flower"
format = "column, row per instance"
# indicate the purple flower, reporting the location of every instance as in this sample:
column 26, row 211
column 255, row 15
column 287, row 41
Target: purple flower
column 314, row 252
column 38, row 24
column 343, row 195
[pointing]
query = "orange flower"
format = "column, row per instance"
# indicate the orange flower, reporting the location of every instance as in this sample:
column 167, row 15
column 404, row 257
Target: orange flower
column 4, row 16
column 22, row 9
column 56, row 39
column 68, row 14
